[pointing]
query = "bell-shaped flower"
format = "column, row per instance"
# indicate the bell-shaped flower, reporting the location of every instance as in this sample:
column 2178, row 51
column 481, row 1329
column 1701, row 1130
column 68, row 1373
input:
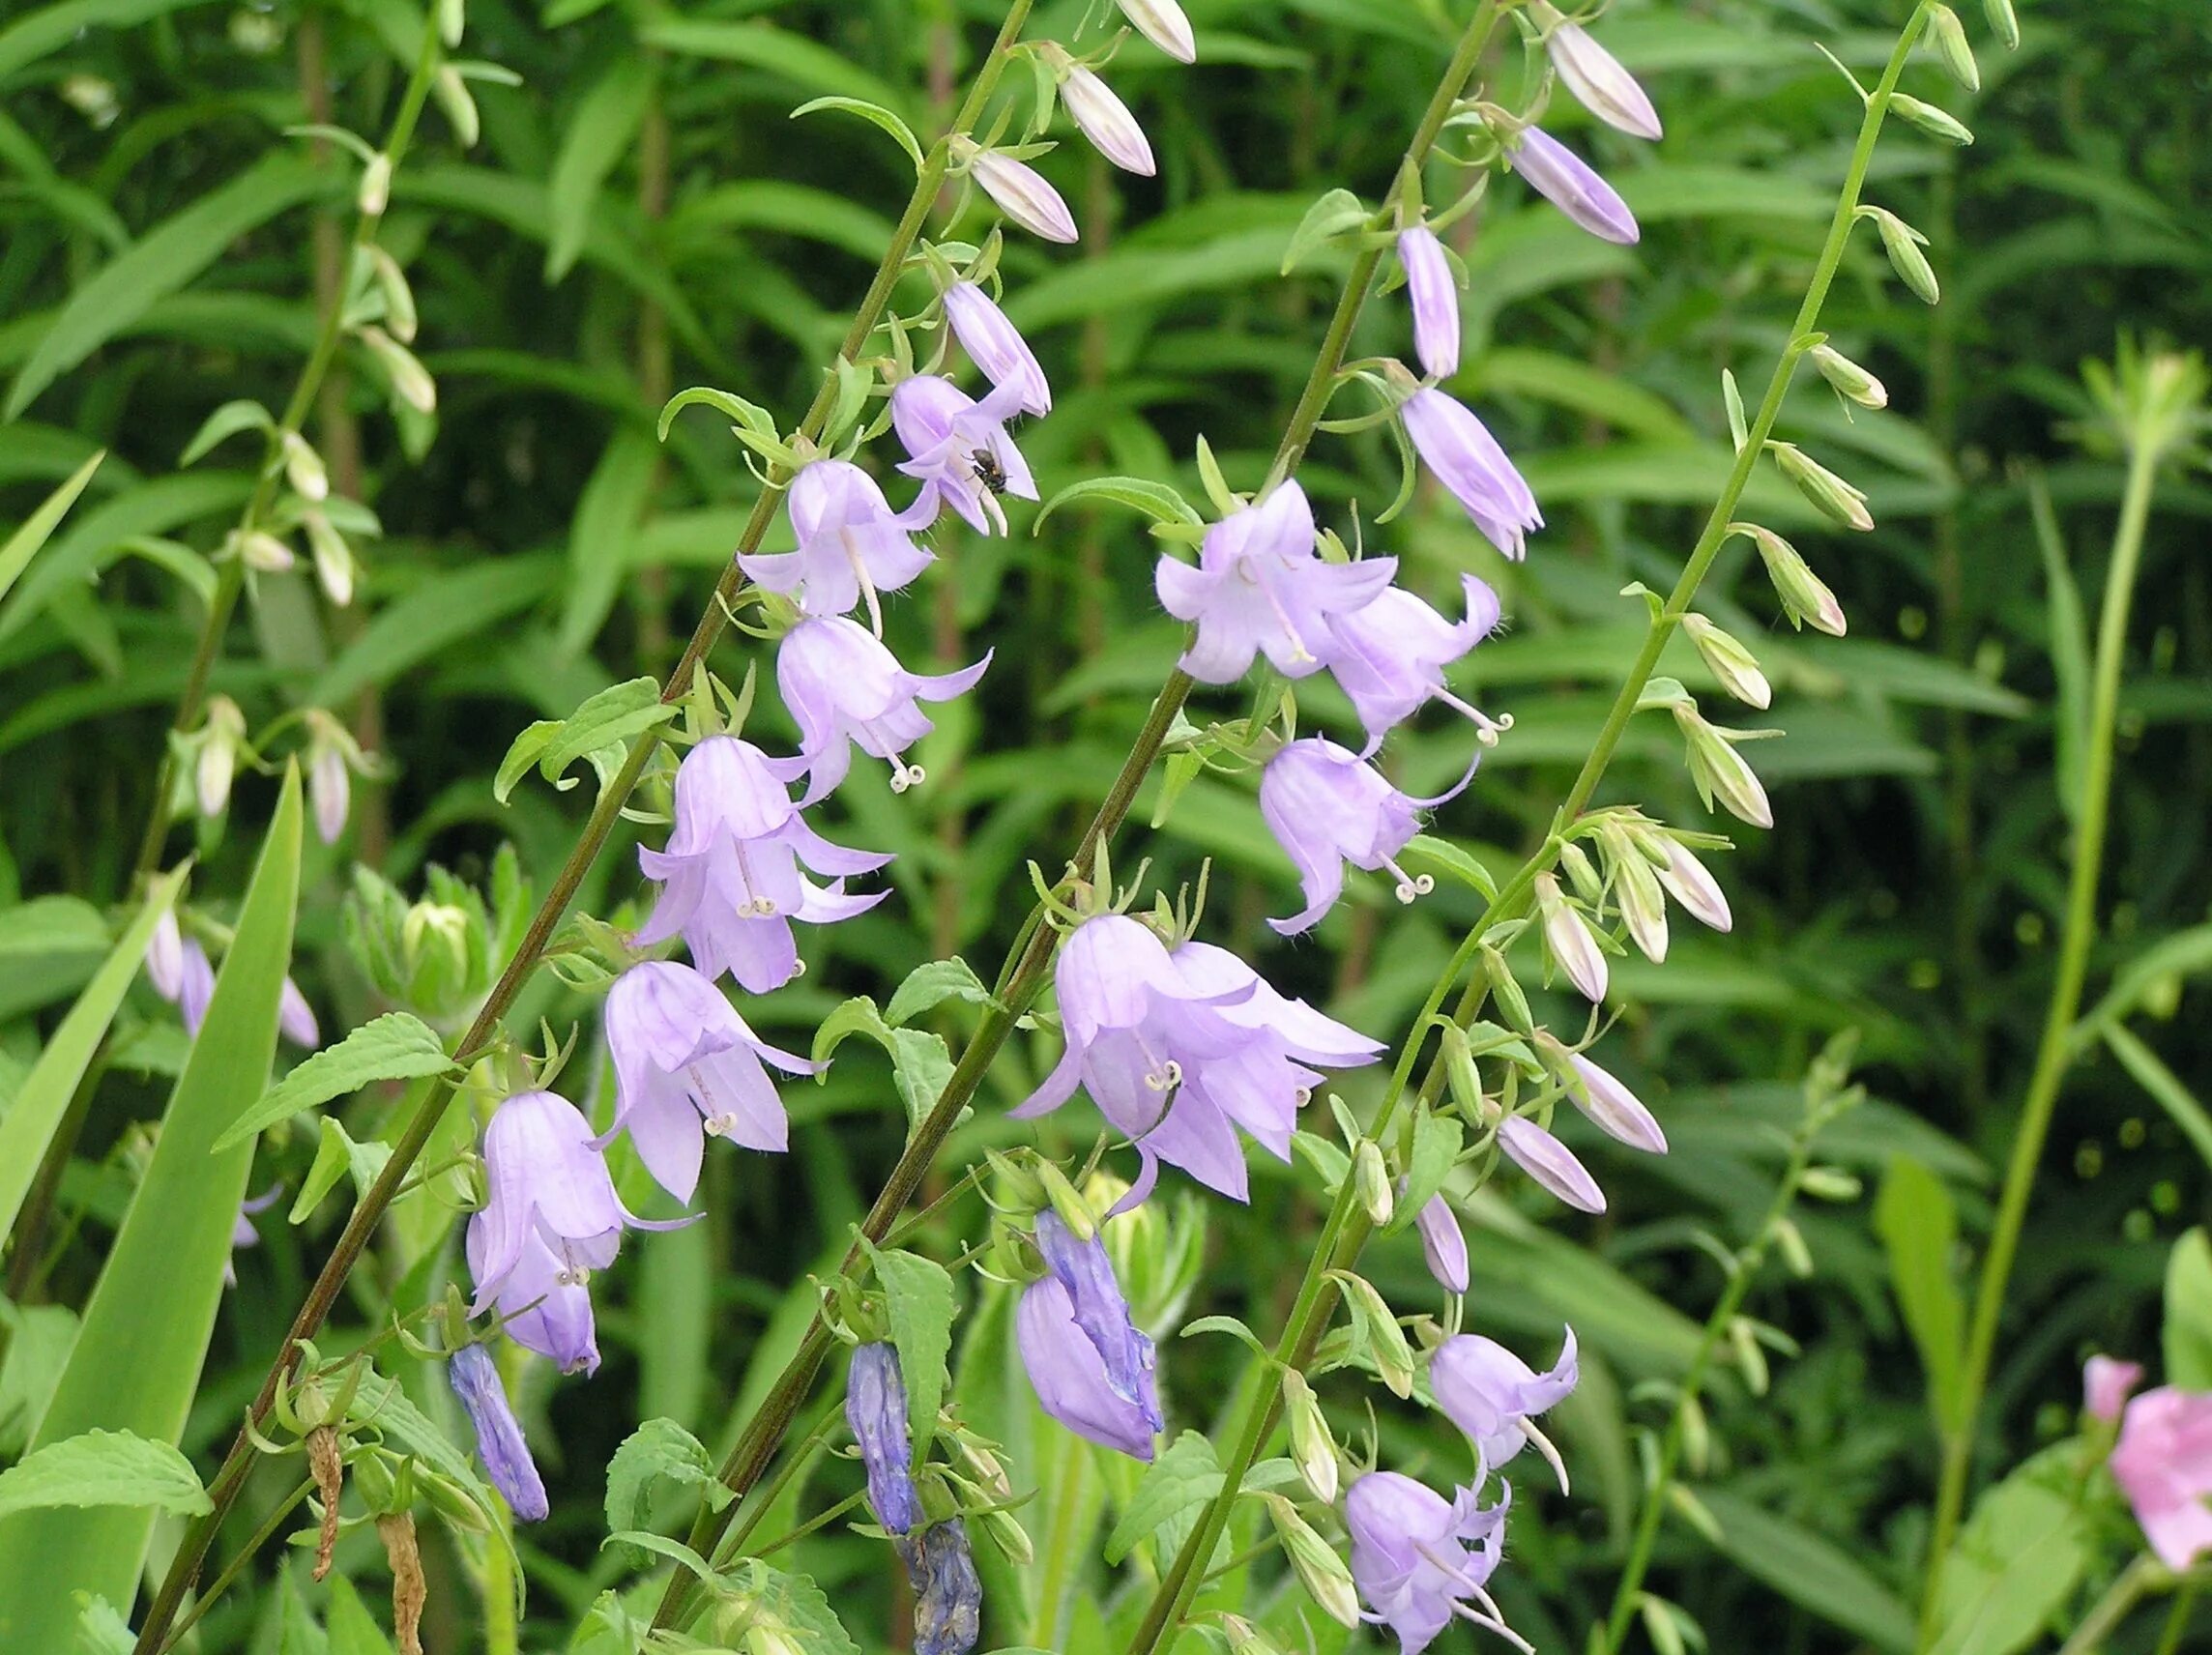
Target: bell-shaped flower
column 1069, row 1377
column 1615, row 1111
column 1433, row 292
column 1444, row 1243
column 1327, row 806
column 1100, row 1310
column 2105, row 1385
column 852, row 545
column 2163, row 1463
column 1260, row 585
column 1597, row 79
column 1105, row 120
column 500, row 1443
column 875, row 1408
column 947, row 1592
column 547, row 1181
column 688, row 1067
column 1419, row 1559
column 543, row 1305
column 1491, row 1394
column 1022, row 193
column 1550, row 1162
column 296, row 1018
column 1567, row 181
column 1390, row 656
column 1163, row 23
column 842, row 686
column 996, row 346
column 731, row 868
column 1468, row 461
column 958, row 449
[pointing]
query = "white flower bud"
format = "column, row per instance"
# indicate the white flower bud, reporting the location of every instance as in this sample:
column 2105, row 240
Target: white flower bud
column 165, row 960
column 1636, row 888
column 1732, row 664
column 1848, row 378
column 1023, row 195
column 1320, row 1570
column 1938, row 124
column 1105, row 120
column 1371, row 1178
column 221, row 737
column 1567, row 937
column 333, row 558
column 1719, row 771
column 1691, row 883
column 264, row 552
column 1840, row 500
column 2003, row 22
column 1162, row 22
column 1595, row 77
column 1805, row 598
column 329, row 790
column 303, row 468
column 411, row 381
column 374, row 193
column 452, row 18
column 460, row 106
column 1312, row 1450
column 398, row 297
column 1952, row 46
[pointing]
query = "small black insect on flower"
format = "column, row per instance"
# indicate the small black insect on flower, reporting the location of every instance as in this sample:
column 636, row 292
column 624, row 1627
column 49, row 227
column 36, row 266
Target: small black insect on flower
column 988, row 471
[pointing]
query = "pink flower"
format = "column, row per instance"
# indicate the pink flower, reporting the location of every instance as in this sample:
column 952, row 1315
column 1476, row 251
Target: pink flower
column 2105, row 1387
column 2164, row 1465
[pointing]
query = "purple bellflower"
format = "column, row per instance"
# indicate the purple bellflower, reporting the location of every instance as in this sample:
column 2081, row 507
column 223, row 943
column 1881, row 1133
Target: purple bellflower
column 947, row 1592
column 1326, row 806
column 852, row 545
column 1100, row 1311
column 1468, row 461
column 543, row 1305
column 733, row 884
column 1615, row 1111
column 842, row 686
column 688, row 1064
column 195, row 985
column 1068, row 1373
column 244, row 1236
column 875, row 1408
column 1419, row 1559
column 995, row 345
column 952, row 439
column 1550, row 1162
column 1434, row 293
column 296, row 1018
column 1444, row 1243
column 1491, row 1394
column 1105, row 120
column 1389, row 657
column 1022, row 193
column 500, row 1442
column 1259, row 586
column 1567, row 181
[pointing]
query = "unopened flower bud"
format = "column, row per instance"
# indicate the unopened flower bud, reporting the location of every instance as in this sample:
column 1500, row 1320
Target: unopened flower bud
column 1320, row 1570
column 1848, row 378
column 374, row 193
column 333, row 558
column 1595, row 77
column 165, row 956
column 1689, row 883
column 1067, row 1201
column 1750, row 1356
column 1105, row 120
column 1805, row 598
column 1371, row 1178
column 264, row 552
column 1464, row 1078
column 303, row 468
column 1163, row 23
column 1588, row 884
column 1433, row 292
column 1953, row 47
column 2005, row 23
column 1572, row 186
column 221, row 737
column 1005, row 1531
column 398, row 298
column 460, row 106
column 1386, row 1340
column 1567, row 938
column 1245, row 1639
column 330, row 789
column 1903, row 242
column 1642, row 904
column 1830, row 1183
column 1312, row 1450
column 1444, row 1243
column 1512, row 1004
column 1938, row 124
column 452, row 18
column 1719, row 771
column 1612, row 1108
column 1550, row 1163
column 1730, row 661
column 411, row 381
column 1790, row 1240
column 1834, row 496
column 1023, row 195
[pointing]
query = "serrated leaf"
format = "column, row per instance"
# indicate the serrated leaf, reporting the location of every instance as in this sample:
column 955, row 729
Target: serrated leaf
column 658, row 1449
column 1335, row 213
column 1185, row 1477
column 23, row 545
column 918, row 1298
column 394, row 1046
column 931, row 985
column 1155, row 500
column 796, row 1602
column 100, row 1630
column 525, row 751
column 920, row 1061
column 104, row 1468
column 1436, row 1140
column 871, row 113
column 335, row 1155
column 614, row 714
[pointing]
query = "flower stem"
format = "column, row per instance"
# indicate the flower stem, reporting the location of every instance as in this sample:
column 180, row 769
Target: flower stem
column 2121, row 1596
column 2055, row 1052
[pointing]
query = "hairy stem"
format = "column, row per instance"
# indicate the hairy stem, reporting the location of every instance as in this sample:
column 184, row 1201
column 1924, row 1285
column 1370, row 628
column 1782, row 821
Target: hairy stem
column 2054, row 1054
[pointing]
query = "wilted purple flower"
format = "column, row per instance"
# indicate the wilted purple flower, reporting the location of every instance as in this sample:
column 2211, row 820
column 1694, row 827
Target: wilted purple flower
column 195, row 985
column 500, row 1444
column 732, row 867
column 296, row 1018
column 1567, row 181
column 1468, row 461
column 1420, row 1558
column 1598, row 81
column 1615, row 1111
column 1163, row 23
column 166, row 957
column 1326, row 806
column 1434, row 293
column 947, row 1594
column 875, row 1408
column 842, row 685
column 686, row 1062
column 952, row 439
column 1390, row 656
column 1444, row 1243
column 1100, row 1310
column 1491, row 1394
column 1260, row 585
column 1024, row 197
column 852, row 545
column 1105, row 120
column 996, row 346
column 2106, row 1383
column 1070, row 1376
column 1550, row 1162
column 2164, row 1465
column 543, row 1305
column 330, row 789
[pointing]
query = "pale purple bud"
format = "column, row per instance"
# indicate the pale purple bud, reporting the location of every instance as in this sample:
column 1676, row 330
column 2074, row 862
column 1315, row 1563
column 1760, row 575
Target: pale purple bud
column 1070, row 1376
column 1023, row 195
column 1466, row 457
column 500, row 1443
column 1550, row 1162
column 1163, row 23
column 1420, row 1560
column 166, row 957
column 851, row 545
column 1691, row 883
column 1326, row 806
column 1434, row 293
column 1566, row 180
column 330, row 789
column 296, row 1018
column 2106, row 1383
column 1598, row 81
column 1491, row 1394
column 875, row 1408
column 842, row 686
column 947, row 1592
column 1567, row 935
column 995, row 346
column 1612, row 1108
column 195, row 986
column 1105, row 120
column 1444, row 1243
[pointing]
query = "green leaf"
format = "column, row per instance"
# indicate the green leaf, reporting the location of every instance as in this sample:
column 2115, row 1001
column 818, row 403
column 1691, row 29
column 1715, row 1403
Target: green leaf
column 352, row 1629
column 1155, row 500
column 23, row 545
column 99, row 1629
column 104, row 1468
column 605, row 121
column 77, row 553
column 750, row 416
column 1426, row 852
column 1327, row 218
column 605, row 720
column 920, row 1061
column 336, row 1154
column 137, row 1363
column 1437, row 1139
column 1809, row 1571
column 931, row 985
column 777, row 51
column 39, row 32
column 439, row 613
column 397, row 1046
column 607, row 519
column 871, row 113
column 241, row 415
column 2189, row 1313
column 918, row 1298
column 525, row 751
column 40, row 1105
column 1183, row 1478
column 1919, row 1226
column 794, row 1601
column 657, row 1449
column 160, row 263
column 2017, row 1560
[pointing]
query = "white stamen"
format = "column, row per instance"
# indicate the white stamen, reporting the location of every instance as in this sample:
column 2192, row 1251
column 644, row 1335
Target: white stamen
column 1543, row 1445
column 1410, row 887
column 861, row 574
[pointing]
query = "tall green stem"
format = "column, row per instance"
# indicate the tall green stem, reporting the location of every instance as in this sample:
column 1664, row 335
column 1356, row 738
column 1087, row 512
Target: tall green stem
column 1346, row 1228
column 2054, row 1052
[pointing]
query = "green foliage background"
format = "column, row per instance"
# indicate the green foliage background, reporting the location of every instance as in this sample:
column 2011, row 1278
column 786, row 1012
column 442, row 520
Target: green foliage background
column 640, row 214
